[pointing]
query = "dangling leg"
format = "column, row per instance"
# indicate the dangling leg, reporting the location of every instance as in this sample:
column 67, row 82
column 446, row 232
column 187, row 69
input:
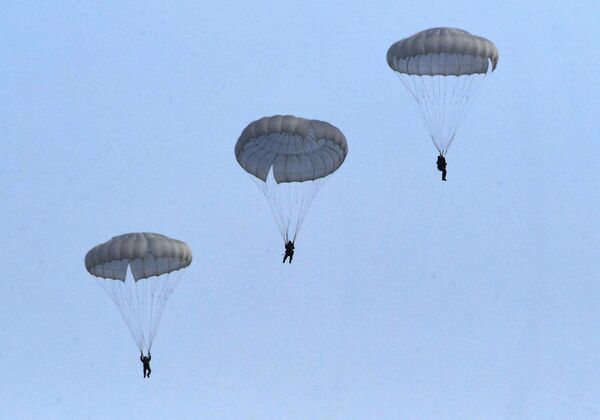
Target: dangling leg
column 291, row 256
column 444, row 175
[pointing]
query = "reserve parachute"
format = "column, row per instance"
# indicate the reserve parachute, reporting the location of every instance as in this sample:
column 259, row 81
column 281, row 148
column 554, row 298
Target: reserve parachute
column 289, row 158
column 442, row 68
column 139, row 271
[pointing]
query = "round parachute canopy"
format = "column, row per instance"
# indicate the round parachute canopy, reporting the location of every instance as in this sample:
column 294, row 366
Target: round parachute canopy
column 289, row 158
column 295, row 149
column 444, row 52
column 155, row 262
column 148, row 254
column 443, row 68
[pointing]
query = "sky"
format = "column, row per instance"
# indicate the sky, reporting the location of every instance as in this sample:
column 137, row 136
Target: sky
column 408, row 298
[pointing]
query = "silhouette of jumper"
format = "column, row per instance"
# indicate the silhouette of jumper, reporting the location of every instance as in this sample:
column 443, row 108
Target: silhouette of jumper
column 441, row 165
column 146, row 362
column 289, row 251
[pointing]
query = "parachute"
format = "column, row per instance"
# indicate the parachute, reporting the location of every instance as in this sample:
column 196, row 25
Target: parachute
column 289, row 158
column 442, row 68
column 139, row 271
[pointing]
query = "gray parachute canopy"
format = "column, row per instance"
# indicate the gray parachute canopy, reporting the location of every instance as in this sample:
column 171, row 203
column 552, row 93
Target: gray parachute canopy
column 148, row 254
column 444, row 52
column 297, row 149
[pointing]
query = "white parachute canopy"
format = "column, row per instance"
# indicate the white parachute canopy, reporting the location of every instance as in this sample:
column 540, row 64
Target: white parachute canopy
column 289, row 158
column 442, row 68
column 139, row 271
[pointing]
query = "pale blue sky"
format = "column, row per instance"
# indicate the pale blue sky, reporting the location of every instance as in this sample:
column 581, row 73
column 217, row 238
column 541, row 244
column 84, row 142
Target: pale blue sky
column 408, row 298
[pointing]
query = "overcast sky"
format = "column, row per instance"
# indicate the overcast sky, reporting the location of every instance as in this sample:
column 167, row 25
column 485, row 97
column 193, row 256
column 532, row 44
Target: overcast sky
column 408, row 298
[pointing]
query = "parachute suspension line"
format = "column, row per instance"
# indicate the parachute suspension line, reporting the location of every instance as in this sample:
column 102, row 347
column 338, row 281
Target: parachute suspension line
column 152, row 285
column 141, row 295
column 141, row 303
column 293, row 203
column 432, row 106
column 155, row 291
column 169, row 286
column 120, row 293
column 469, row 93
column 419, row 100
column 428, row 101
column 125, row 298
column 130, row 289
column 445, row 122
column 139, row 307
column 443, row 102
column 306, row 203
column 161, row 288
column 289, row 202
column 273, row 206
column 130, row 306
column 296, row 203
column 455, row 108
column 439, row 103
column 424, row 103
column 277, row 192
column 414, row 93
column 155, row 311
column 278, row 212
